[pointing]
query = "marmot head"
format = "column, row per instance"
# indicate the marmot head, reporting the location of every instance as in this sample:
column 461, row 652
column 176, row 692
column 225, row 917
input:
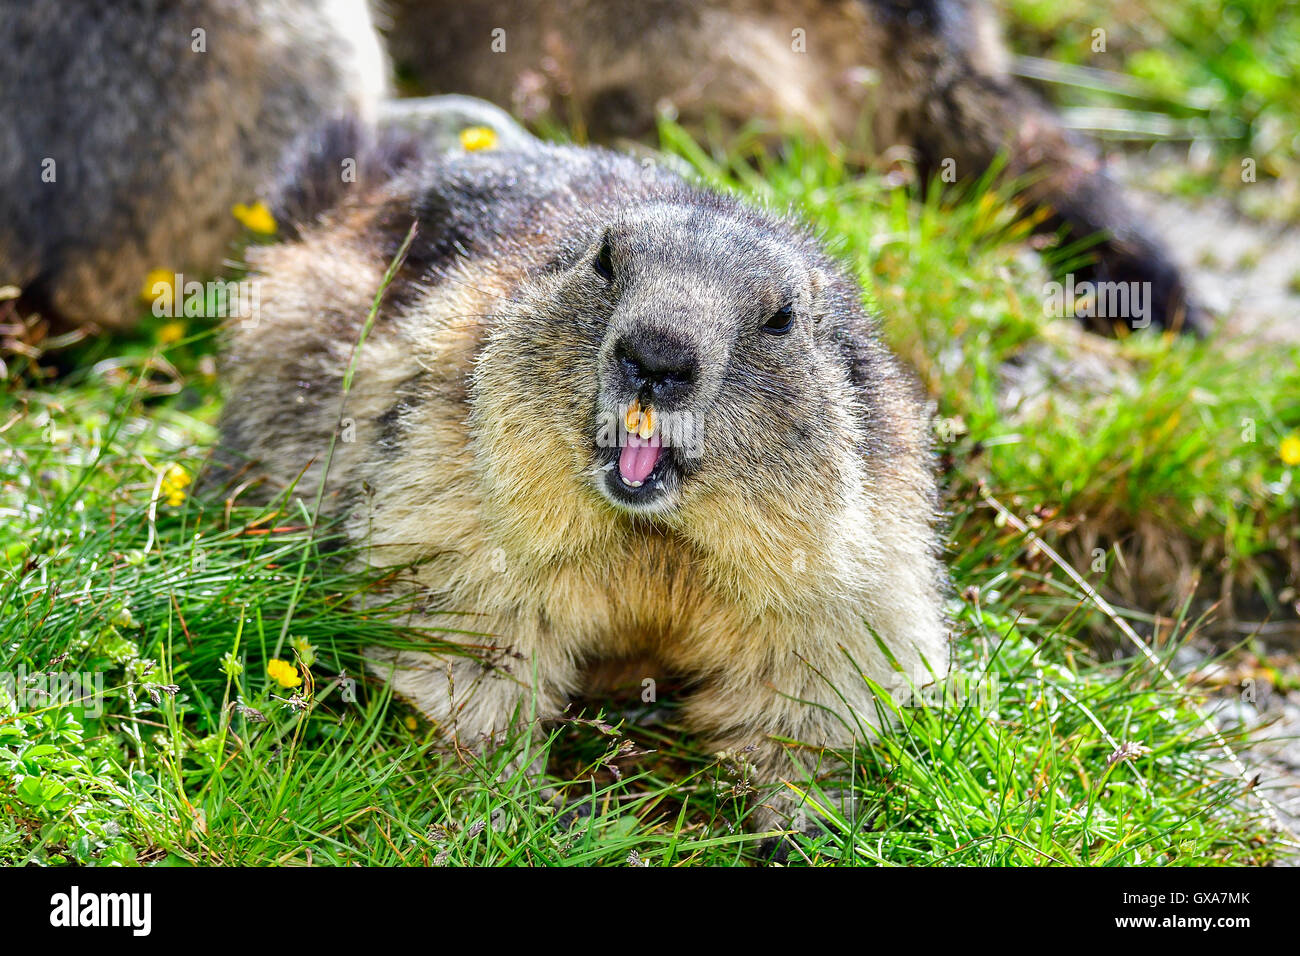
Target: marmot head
column 687, row 359
column 602, row 351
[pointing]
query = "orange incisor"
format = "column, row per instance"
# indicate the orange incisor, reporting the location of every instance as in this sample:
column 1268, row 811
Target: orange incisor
column 638, row 422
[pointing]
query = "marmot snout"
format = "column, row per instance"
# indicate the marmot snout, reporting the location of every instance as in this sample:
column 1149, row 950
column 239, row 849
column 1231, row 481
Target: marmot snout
column 607, row 415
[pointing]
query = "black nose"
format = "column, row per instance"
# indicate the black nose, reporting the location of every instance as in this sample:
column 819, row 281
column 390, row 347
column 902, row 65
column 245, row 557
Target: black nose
column 657, row 366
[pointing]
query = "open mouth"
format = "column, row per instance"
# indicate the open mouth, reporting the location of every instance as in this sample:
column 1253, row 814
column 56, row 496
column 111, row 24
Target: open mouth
column 643, row 469
column 639, row 460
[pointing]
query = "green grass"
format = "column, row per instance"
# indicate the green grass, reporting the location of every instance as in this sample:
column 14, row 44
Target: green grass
column 200, row 759
column 1222, row 73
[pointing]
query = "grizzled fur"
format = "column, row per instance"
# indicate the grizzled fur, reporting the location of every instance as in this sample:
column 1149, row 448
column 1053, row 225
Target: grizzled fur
column 929, row 75
column 153, row 142
column 758, row 570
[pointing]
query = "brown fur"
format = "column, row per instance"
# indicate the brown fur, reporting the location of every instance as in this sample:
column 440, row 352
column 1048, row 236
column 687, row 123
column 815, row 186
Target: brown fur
column 807, row 522
column 154, row 141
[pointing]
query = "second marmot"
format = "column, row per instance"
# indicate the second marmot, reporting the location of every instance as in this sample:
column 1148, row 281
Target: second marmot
column 871, row 75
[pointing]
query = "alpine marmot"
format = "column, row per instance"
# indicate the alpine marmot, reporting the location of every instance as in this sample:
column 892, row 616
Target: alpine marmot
column 603, row 414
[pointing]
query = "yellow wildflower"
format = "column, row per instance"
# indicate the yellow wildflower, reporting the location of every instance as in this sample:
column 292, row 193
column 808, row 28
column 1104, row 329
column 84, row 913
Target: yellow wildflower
column 171, row 333
column 474, row 138
column 1290, row 449
column 283, row 673
column 410, row 722
column 256, row 218
column 175, row 480
column 156, row 277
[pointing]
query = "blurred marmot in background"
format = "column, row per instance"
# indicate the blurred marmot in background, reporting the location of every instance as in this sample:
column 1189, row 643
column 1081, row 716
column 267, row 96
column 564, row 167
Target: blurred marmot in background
column 870, row 74
column 605, row 415
column 130, row 130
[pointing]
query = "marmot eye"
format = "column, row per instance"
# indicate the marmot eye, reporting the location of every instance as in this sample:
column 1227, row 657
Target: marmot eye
column 779, row 323
column 604, row 262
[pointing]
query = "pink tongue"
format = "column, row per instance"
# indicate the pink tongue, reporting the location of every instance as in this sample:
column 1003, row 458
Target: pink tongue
column 638, row 458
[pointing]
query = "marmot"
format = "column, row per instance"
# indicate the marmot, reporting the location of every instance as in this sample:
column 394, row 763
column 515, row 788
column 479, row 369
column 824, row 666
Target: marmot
column 132, row 129
column 929, row 75
column 604, row 414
